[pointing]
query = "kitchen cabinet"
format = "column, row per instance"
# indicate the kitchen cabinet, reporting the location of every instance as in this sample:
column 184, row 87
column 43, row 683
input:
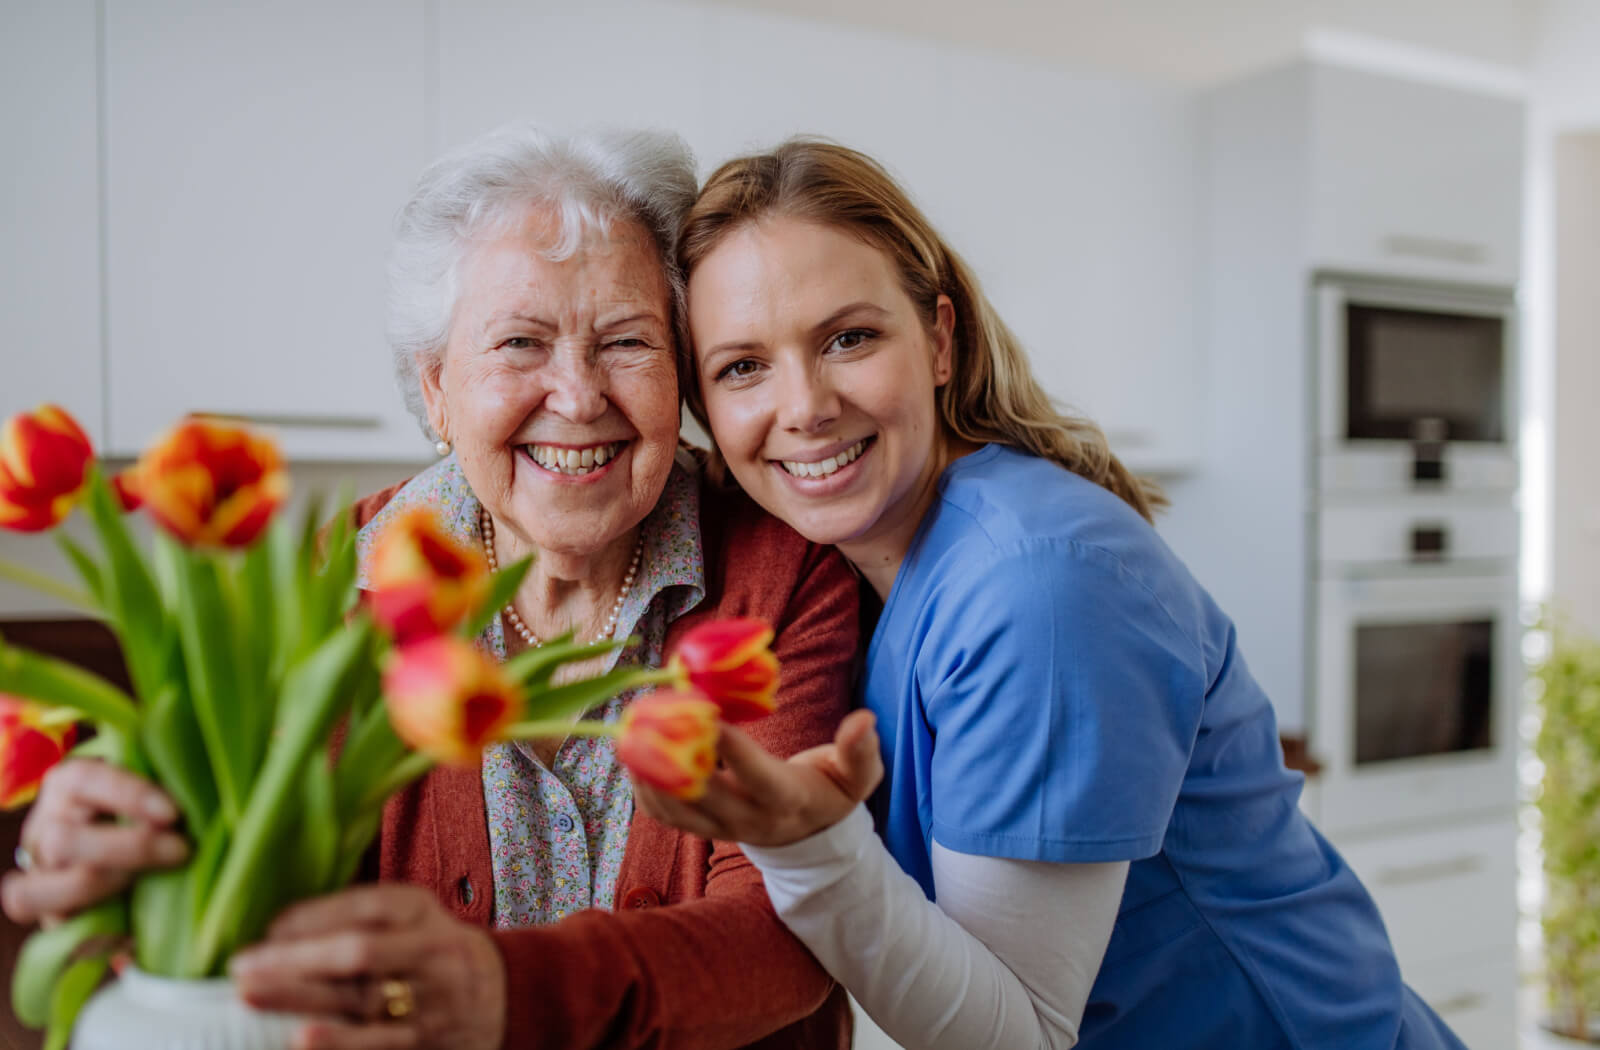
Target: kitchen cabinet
column 1071, row 194
column 50, row 288
column 606, row 63
column 255, row 155
column 1414, row 178
column 1447, row 895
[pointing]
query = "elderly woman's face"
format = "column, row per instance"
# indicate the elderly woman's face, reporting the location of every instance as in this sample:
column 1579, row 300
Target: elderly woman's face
column 558, row 386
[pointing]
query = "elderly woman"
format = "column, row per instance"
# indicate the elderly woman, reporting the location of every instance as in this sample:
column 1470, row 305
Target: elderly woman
column 535, row 306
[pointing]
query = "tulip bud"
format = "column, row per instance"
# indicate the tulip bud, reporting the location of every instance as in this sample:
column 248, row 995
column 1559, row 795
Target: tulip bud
column 125, row 486
column 422, row 581
column 211, row 484
column 447, row 699
column 28, row 749
column 669, row 741
column 44, row 461
column 730, row 662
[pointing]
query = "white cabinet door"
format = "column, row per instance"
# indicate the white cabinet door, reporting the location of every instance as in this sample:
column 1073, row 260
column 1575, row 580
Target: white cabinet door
column 607, row 63
column 1071, row 196
column 1075, row 197
column 1414, row 178
column 256, row 155
column 50, row 304
column 774, row 77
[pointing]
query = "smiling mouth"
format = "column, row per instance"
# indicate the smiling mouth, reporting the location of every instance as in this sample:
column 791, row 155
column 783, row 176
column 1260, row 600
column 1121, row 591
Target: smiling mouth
column 574, row 462
column 826, row 467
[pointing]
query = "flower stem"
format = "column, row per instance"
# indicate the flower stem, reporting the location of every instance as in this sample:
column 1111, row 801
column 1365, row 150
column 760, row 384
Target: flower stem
column 38, row 581
column 557, row 727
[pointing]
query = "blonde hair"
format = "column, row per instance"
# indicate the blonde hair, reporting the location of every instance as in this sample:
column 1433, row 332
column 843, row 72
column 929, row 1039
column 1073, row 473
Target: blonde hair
column 992, row 395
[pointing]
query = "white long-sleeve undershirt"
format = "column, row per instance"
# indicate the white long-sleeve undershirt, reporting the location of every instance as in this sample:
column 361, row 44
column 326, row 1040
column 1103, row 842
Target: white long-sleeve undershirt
column 1004, row 960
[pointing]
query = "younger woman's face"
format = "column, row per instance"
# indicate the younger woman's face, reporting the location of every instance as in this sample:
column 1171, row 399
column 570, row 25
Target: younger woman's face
column 818, row 376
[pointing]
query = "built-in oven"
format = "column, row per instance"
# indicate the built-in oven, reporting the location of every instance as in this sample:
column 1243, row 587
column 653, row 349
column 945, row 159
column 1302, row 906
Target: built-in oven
column 1416, row 386
column 1417, row 662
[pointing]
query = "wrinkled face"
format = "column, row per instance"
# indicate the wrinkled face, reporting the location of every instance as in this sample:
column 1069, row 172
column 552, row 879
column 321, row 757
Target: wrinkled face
column 819, row 377
column 557, row 385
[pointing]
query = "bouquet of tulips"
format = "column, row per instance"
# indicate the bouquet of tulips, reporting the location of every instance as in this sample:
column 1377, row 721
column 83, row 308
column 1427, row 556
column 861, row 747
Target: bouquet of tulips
column 276, row 704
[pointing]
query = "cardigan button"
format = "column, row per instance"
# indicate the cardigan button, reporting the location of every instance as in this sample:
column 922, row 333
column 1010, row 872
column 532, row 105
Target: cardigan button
column 641, row 897
column 464, row 888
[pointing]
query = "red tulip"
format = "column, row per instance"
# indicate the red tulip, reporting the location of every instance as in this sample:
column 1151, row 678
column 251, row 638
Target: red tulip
column 212, row 484
column 447, row 699
column 422, row 580
column 125, row 485
column 730, row 662
column 669, row 741
column 28, row 749
column 44, row 461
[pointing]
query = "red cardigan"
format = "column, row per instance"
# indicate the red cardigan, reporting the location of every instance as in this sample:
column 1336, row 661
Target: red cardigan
column 693, row 957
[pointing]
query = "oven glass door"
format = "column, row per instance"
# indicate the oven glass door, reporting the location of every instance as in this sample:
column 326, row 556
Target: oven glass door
column 1414, row 372
column 1416, row 679
column 1423, row 687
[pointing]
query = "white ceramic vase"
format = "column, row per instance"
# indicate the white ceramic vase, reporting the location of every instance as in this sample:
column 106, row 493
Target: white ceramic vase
column 140, row 1012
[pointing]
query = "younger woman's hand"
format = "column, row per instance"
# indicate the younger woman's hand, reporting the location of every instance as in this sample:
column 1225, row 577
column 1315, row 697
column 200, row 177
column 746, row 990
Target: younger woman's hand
column 90, row 831
column 762, row 800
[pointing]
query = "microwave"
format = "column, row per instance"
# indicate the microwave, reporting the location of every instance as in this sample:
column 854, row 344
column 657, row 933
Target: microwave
column 1416, row 386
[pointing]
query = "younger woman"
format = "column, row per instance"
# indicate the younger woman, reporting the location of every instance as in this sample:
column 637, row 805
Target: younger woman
column 1081, row 771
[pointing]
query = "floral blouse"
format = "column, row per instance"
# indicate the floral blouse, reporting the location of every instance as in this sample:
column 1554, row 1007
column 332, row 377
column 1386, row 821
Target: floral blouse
column 557, row 834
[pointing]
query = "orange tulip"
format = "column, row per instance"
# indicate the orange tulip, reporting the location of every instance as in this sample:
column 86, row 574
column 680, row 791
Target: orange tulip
column 212, row 484
column 730, row 662
column 423, row 581
column 28, row 749
column 669, row 741
column 44, row 462
column 447, row 699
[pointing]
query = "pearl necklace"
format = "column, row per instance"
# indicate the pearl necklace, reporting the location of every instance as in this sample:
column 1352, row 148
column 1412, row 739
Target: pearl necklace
column 486, row 528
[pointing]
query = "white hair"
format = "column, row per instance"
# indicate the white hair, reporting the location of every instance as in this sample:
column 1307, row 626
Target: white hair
column 589, row 180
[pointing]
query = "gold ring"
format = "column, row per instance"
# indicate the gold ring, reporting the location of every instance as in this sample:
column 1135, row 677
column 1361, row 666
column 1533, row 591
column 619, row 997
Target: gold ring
column 399, row 1002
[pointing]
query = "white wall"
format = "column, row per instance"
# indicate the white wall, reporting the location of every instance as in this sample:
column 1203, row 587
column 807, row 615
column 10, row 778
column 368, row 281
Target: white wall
column 1575, row 430
column 1564, row 97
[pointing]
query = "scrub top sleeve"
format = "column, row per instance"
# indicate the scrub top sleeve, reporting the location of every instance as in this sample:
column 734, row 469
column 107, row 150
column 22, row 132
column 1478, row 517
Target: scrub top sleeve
column 1063, row 701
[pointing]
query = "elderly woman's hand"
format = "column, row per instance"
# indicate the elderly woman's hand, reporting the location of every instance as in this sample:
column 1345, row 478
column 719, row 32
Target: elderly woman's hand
column 762, row 800
column 380, row 967
column 90, row 831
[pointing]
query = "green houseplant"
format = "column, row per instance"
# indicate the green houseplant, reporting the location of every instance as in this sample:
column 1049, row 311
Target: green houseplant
column 1568, row 802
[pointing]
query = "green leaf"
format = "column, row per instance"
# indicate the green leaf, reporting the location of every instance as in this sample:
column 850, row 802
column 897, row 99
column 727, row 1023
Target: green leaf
column 206, row 635
column 370, row 748
column 46, row 955
column 130, row 596
column 315, row 851
column 88, row 569
column 177, row 752
column 502, row 587
column 48, row 680
column 358, row 836
column 533, row 668
column 409, row 768
column 283, row 560
column 77, row 984
column 320, row 685
column 576, row 697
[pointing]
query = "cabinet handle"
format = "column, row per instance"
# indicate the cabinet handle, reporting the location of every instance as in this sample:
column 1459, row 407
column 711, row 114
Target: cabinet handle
column 308, row 420
column 1436, row 248
column 1437, row 869
column 1457, row 1003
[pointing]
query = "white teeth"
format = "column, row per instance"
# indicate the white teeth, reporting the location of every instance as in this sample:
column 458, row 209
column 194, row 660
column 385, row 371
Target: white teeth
column 574, row 460
column 822, row 468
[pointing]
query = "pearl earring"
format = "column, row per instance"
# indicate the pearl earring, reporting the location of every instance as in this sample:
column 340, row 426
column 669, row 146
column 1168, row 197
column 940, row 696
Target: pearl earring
column 442, row 447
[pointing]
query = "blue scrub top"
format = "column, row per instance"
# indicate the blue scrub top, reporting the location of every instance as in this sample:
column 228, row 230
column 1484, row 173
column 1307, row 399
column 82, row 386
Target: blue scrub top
column 1052, row 684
